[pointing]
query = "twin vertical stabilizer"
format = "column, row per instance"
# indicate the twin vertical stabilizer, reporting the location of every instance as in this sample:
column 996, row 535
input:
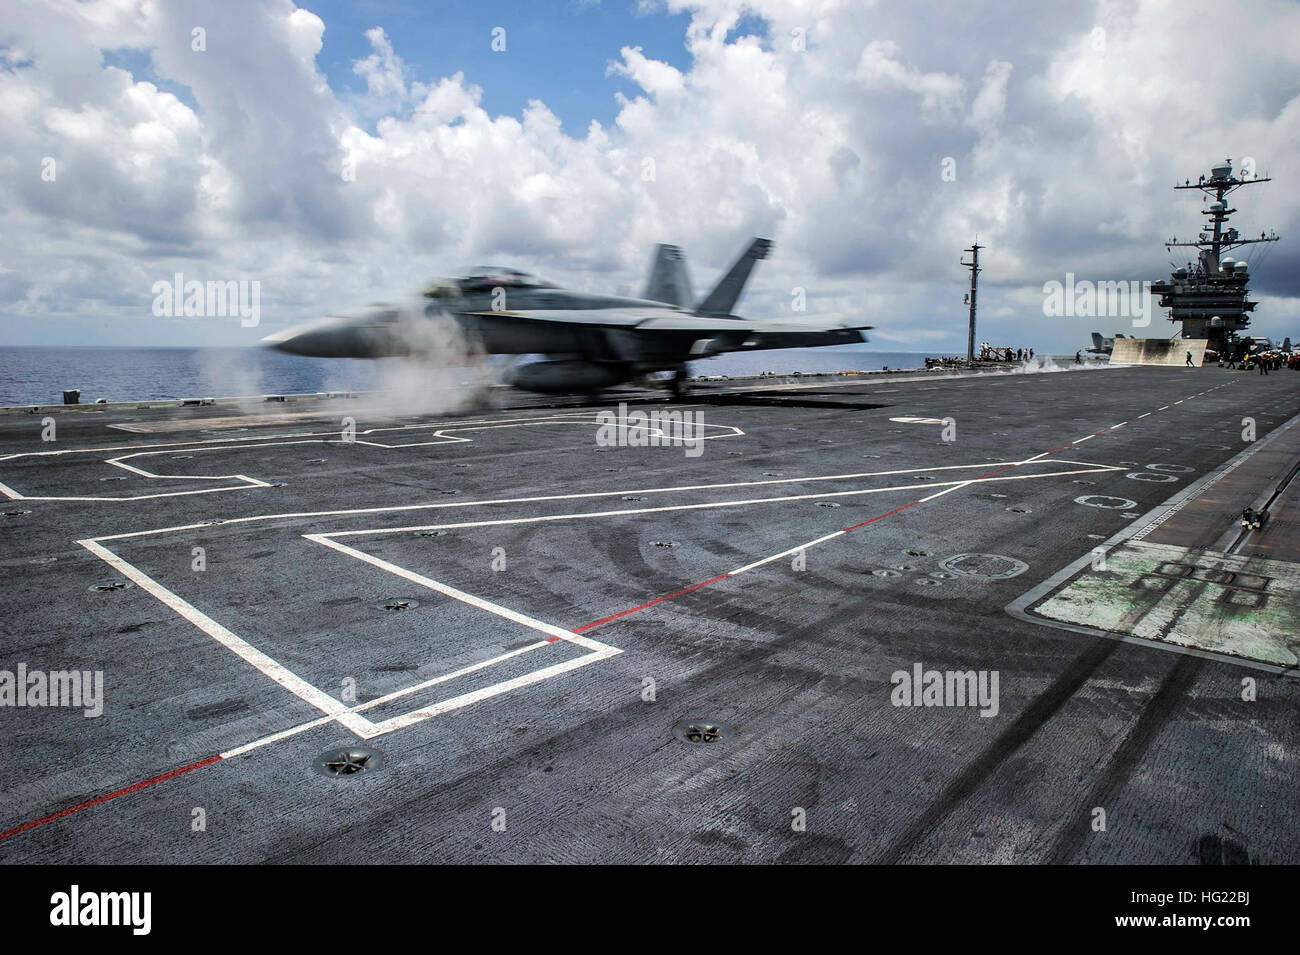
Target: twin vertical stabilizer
column 722, row 300
column 670, row 283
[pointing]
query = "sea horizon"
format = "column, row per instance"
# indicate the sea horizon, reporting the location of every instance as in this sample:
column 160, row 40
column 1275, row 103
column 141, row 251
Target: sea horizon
column 39, row 374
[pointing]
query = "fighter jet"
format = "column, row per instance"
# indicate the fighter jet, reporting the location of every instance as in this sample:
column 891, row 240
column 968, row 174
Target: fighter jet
column 590, row 340
column 1102, row 346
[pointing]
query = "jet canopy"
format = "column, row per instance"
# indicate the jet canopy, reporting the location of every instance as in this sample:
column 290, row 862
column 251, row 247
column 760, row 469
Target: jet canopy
column 483, row 279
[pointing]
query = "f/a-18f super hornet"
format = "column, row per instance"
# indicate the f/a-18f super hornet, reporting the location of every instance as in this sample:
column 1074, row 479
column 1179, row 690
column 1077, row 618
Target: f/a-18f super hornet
column 589, row 340
column 1102, row 346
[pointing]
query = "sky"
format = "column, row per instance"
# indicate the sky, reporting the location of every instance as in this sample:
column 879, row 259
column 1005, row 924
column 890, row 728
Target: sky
column 338, row 154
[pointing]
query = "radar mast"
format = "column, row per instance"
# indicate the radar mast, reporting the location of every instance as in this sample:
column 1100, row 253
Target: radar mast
column 1209, row 295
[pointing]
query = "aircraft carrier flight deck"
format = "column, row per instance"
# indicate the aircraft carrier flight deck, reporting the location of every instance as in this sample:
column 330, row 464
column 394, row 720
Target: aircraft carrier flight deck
column 589, row 631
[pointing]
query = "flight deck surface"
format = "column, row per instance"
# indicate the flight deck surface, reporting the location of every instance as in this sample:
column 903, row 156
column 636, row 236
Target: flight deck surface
column 516, row 617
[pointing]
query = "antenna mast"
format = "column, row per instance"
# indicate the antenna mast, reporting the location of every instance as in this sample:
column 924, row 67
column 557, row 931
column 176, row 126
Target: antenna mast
column 1208, row 296
column 974, row 266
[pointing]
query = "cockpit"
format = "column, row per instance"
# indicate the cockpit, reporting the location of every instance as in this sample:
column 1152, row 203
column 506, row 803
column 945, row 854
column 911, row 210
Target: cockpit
column 483, row 279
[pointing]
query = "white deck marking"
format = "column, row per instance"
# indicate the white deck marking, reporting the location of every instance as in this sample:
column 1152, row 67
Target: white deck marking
column 463, row 700
column 740, row 502
column 788, row 553
column 446, row 435
column 276, row 737
column 350, row 716
column 448, row 591
column 437, row 709
column 958, row 487
column 395, row 508
column 250, row 654
column 1135, row 531
column 948, row 490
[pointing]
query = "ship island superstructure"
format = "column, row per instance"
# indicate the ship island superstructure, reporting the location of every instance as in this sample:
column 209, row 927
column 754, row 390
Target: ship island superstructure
column 1209, row 296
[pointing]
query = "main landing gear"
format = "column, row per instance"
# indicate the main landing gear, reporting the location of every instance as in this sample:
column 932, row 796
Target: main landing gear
column 677, row 383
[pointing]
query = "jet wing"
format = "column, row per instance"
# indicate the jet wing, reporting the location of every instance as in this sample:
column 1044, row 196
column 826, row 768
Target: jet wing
column 671, row 320
column 615, row 317
column 768, row 326
column 700, row 336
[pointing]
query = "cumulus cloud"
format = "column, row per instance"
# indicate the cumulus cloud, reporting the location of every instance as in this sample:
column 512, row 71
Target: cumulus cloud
column 991, row 101
column 825, row 124
column 382, row 69
column 940, row 94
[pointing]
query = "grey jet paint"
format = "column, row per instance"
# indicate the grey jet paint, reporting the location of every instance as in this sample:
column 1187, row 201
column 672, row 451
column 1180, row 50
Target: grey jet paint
column 1101, row 345
column 589, row 340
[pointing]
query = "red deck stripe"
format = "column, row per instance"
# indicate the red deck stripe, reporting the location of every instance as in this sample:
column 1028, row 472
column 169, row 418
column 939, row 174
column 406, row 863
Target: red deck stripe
column 145, row 783
column 878, row 517
column 651, row 603
column 134, row 787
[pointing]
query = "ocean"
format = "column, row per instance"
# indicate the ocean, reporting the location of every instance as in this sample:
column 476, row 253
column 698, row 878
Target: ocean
column 32, row 375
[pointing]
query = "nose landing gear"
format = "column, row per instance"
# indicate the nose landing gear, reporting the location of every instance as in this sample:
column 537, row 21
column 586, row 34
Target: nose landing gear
column 677, row 383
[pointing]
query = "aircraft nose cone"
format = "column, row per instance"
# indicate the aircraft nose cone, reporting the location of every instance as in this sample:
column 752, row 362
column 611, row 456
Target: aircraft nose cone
column 335, row 337
column 319, row 338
